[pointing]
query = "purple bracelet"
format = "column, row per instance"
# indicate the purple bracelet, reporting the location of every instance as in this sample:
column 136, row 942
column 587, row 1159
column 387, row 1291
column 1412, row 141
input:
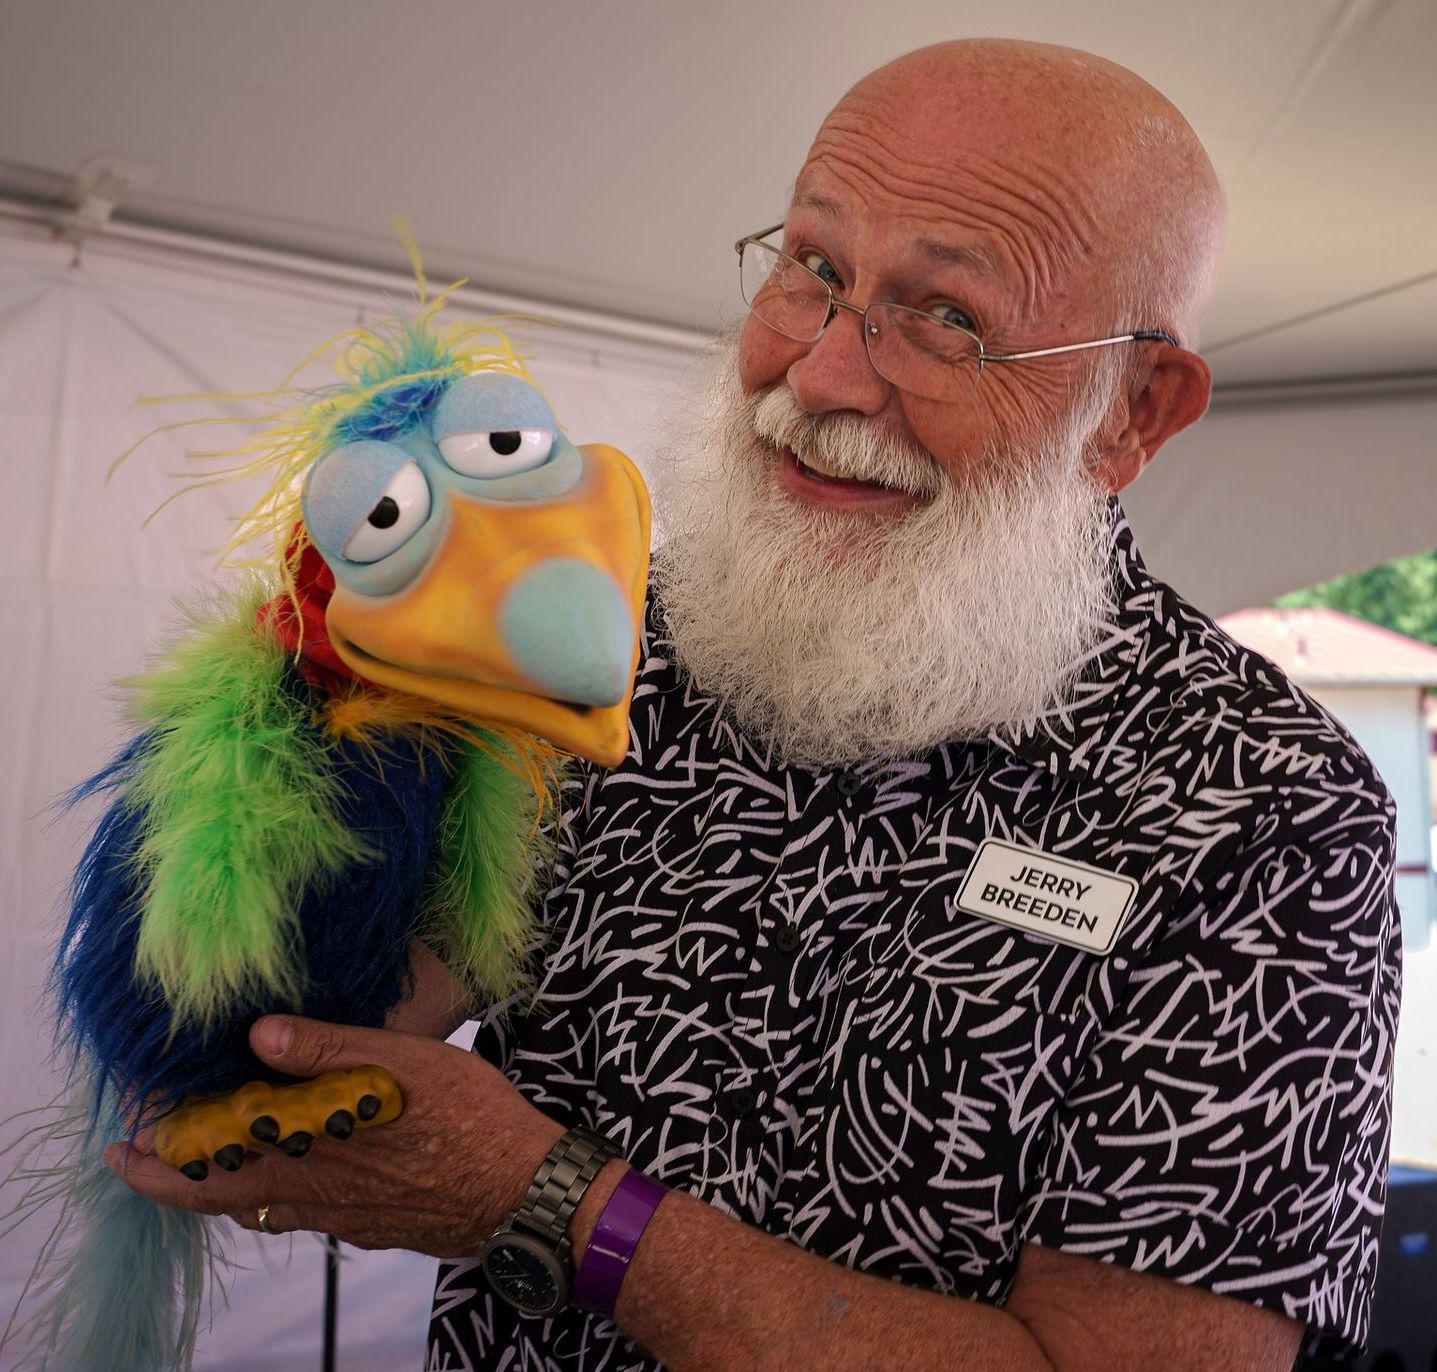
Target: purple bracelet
column 611, row 1245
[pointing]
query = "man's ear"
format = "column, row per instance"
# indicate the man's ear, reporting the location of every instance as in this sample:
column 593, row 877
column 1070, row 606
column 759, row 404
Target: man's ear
column 1168, row 396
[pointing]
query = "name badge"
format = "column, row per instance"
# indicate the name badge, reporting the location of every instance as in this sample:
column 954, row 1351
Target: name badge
column 1052, row 897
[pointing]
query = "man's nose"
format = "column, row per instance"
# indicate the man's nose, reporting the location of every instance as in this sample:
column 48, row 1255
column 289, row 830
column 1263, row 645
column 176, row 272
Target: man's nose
column 836, row 373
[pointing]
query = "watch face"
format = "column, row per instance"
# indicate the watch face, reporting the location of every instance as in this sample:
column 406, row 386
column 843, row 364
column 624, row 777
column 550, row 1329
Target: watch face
column 525, row 1274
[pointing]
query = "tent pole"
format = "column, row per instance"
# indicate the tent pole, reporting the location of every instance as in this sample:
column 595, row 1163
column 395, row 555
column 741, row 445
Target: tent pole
column 331, row 1302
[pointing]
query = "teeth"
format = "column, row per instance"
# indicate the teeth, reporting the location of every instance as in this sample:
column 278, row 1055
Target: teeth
column 820, row 468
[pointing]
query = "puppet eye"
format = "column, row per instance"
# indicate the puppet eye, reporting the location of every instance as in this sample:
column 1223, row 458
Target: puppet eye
column 502, row 452
column 395, row 518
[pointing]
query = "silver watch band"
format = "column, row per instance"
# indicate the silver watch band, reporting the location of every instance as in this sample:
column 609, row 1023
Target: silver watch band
column 559, row 1184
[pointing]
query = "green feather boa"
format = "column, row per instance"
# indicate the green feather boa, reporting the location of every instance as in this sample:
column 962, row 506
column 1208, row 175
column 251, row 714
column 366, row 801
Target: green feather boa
column 479, row 913
column 240, row 816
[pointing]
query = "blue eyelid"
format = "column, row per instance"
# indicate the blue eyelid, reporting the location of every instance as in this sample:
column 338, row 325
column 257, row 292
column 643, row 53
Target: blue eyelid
column 343, row 487
column 491, row 403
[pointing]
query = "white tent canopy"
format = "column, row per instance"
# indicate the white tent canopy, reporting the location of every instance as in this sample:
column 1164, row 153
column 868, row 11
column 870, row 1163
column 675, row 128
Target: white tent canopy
column 609, row 155
column 607, row 162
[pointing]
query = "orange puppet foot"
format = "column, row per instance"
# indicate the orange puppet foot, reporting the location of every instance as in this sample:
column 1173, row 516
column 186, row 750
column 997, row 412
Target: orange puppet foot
column 221, row 1129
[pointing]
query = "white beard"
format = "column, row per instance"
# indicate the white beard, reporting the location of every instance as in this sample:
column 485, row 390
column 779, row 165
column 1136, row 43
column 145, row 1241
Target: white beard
column 841, row 637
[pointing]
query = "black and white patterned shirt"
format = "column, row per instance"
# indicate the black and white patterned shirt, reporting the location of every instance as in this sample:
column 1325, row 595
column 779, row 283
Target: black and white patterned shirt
column 769, row 986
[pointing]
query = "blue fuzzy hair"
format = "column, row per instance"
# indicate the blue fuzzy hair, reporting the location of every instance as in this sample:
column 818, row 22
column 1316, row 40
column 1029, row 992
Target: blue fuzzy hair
column 355, row 929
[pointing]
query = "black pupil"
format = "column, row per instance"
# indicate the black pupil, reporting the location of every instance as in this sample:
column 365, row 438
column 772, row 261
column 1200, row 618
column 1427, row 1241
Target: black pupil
column 386, row 513
column 504, row 442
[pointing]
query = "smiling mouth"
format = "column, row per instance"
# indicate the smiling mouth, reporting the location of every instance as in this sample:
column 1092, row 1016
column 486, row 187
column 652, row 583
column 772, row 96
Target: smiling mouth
column 366, row 656
column 813, row 474
column 816, row 472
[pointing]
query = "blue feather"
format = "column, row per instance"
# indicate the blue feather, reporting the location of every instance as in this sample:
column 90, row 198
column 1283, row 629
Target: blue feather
column 393, row 411
column 120, row 1282
column 132, row 1290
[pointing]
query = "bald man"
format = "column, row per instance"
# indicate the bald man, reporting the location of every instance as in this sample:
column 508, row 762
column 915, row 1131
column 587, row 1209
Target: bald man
column 988, row 963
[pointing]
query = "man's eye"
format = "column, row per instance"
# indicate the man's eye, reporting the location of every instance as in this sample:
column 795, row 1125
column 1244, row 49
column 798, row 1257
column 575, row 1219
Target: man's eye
column 821, row 267
column 956, row 315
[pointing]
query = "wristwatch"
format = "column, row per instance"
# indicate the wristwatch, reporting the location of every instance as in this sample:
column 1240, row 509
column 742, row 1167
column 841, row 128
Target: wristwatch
column 527, row 1259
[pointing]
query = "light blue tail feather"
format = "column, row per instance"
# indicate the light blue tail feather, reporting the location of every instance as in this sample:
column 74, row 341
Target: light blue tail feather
column 121, row 1284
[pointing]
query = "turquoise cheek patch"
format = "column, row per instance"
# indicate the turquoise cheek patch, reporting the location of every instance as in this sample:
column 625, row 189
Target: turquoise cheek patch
column 569, row 628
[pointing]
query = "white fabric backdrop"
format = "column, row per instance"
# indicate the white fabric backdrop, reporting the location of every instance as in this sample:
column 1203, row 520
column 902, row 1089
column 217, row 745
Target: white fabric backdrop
column 1261, row 499
column 1251, row 503
column 85, row 593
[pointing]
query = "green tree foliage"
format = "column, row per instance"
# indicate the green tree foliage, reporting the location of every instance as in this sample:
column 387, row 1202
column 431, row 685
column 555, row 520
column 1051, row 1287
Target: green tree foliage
column 1399, row 595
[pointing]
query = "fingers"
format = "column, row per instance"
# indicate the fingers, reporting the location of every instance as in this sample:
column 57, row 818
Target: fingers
column 308, row 1047
column 238, row 1195
column 144, row 1140
column 222, row 1193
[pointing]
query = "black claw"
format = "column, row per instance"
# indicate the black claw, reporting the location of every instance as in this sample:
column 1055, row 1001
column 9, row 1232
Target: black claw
column 197, row 1170
column 265, row 1128
column 369, row 1107
column 339, row 1125
column 297, row 1144
column 230, row 1156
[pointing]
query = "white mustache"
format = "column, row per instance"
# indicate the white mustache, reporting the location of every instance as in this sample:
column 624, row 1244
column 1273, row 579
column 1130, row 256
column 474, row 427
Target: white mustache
column 847, row 445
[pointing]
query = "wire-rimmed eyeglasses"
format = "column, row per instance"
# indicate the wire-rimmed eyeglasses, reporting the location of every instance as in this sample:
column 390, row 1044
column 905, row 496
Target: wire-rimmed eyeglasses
column 917, row 351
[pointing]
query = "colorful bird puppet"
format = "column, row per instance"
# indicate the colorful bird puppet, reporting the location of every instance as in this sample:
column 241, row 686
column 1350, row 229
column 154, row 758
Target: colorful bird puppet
column 354, row 752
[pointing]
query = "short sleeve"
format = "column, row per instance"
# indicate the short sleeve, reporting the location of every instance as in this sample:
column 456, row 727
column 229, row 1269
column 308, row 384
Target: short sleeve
column 1230, row 1127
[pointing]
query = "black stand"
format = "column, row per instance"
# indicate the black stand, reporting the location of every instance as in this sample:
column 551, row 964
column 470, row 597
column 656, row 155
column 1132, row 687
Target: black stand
column 331, row 1300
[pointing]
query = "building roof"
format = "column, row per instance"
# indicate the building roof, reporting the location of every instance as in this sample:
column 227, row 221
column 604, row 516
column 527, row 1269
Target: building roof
column 1327, row 648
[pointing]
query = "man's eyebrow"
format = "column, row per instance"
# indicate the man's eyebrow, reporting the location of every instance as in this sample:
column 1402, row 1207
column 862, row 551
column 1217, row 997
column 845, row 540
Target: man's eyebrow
column 936, row 250
column 957, row 255
column 817, row 202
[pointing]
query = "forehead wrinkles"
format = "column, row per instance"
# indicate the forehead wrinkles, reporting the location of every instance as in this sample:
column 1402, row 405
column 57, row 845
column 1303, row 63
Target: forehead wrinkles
column 1039, row 215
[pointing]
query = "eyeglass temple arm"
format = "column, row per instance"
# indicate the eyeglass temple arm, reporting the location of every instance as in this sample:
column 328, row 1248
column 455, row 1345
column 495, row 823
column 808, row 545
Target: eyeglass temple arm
column 754, row 237
column 1141, row 336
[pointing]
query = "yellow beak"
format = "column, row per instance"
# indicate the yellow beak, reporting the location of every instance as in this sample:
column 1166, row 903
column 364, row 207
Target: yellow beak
column 527, row 615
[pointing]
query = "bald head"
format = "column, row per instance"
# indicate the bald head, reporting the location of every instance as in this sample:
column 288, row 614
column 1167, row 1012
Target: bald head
column 1093, row 186
column 1039, row 200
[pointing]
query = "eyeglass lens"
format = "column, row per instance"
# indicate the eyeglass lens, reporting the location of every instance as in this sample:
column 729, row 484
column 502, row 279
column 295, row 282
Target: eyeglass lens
column 784, row 295
column 912, row 349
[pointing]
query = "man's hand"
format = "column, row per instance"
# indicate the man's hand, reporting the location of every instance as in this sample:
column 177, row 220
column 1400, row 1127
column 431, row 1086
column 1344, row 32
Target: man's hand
column 438, row 1180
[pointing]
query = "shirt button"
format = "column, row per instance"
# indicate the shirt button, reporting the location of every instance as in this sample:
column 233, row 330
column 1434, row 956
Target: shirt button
column 787, row 939
column 849, row 784
column 742, row 1100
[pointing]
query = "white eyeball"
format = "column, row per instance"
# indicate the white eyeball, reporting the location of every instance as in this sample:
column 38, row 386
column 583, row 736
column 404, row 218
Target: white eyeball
column 395, row 519
column 500, row 453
